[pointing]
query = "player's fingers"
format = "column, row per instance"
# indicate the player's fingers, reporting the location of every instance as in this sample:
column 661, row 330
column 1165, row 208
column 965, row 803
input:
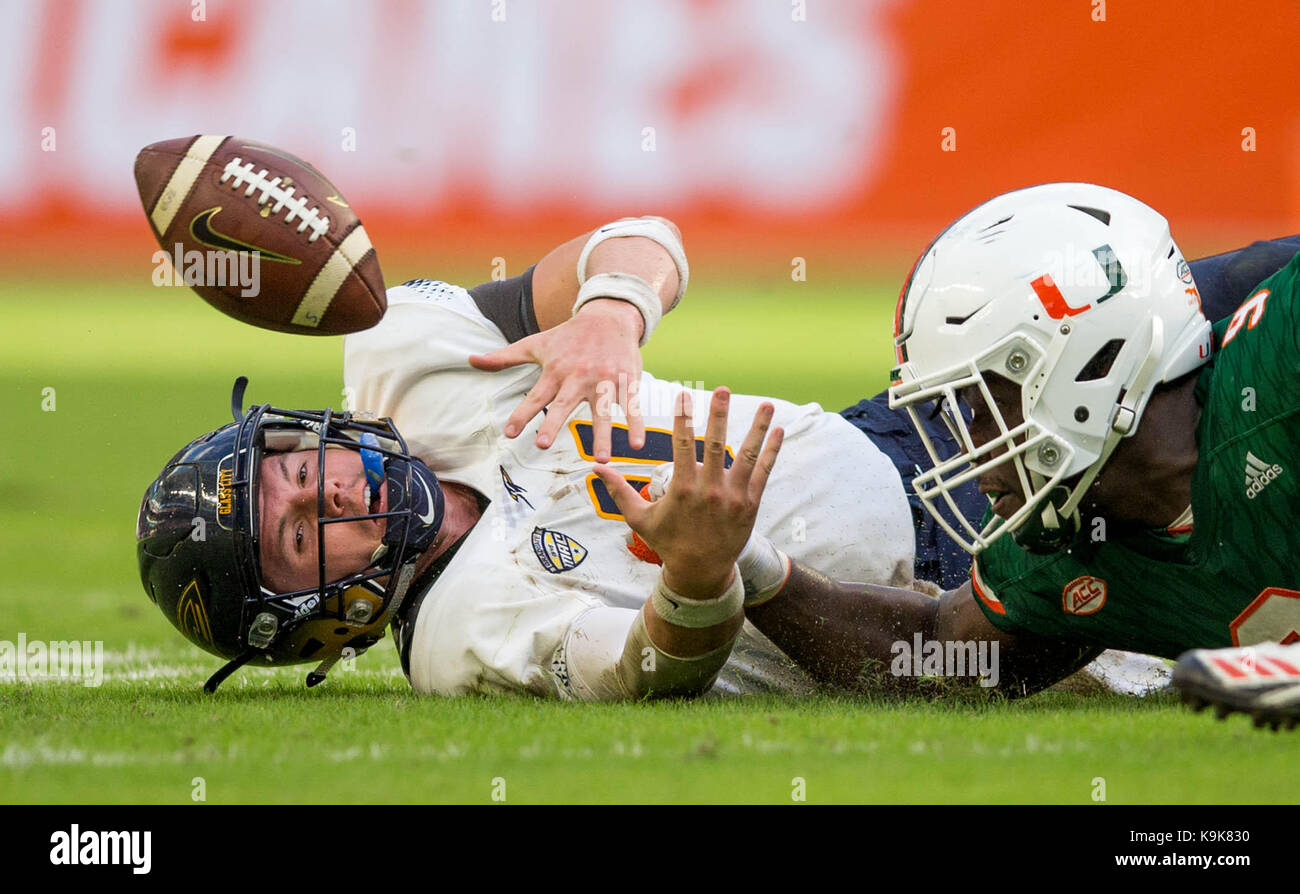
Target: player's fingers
column 556, row 413
column 600, row 419
column 635, row 421
column 510, row 355
column 633, row 506
column 537, row 397
column 766, row 460
column 743, row 468
column 715, row 435
column 683, row 439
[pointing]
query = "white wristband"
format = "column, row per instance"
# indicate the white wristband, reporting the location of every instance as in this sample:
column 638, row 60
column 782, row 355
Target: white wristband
column 625, row 287
column 764, row 570
column 677, row 609
column 655, row 229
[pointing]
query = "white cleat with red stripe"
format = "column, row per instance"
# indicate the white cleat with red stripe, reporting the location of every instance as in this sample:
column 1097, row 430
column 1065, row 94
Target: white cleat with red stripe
column 1261, row 680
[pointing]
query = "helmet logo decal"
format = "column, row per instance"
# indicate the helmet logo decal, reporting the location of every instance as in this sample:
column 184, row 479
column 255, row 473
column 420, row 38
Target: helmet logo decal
column 1054, row 302
column 226, row 491
column 191, row 616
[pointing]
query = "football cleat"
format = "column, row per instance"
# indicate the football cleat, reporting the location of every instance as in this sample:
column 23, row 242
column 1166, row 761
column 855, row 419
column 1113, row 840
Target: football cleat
column 1261, row 680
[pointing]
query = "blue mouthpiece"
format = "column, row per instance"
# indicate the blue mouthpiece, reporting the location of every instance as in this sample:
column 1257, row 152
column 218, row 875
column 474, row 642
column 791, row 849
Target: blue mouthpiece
column 372, row 460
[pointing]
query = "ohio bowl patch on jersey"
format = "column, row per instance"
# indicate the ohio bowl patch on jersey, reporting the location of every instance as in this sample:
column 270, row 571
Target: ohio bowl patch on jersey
column 557, row 552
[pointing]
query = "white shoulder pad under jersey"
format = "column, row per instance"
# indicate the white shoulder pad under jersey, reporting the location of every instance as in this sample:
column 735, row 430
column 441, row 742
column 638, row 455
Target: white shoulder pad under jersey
column 413, row 366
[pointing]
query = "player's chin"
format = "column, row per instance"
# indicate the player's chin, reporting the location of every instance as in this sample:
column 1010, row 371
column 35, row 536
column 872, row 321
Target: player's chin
column 1008, row 505
column 350, row 549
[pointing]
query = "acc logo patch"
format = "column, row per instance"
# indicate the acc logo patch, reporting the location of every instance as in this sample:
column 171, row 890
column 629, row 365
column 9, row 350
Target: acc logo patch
column 1084, row 595
column 557, row 552
column 191, row 616
column 1184, row 272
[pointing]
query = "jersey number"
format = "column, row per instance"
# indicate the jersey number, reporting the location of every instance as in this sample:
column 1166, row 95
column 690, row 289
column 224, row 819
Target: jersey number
column 1273, row 616
column 658, row 450
column 1252, row 307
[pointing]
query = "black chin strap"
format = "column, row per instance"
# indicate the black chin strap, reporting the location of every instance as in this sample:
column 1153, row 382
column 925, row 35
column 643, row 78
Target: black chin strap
column 227, row 669
column 237, row 398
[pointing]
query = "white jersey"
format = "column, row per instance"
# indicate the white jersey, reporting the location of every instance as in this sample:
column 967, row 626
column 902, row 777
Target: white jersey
column 543, row 589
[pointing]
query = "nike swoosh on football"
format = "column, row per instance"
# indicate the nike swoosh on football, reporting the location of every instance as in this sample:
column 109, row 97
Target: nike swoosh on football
column 201, row 230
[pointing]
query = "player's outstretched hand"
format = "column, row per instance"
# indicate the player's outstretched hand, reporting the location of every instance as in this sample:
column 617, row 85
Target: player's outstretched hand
column 704, row 519
column 596, row 357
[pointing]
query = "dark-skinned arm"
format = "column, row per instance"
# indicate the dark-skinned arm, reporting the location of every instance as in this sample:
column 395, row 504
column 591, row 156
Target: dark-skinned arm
column 843, row 635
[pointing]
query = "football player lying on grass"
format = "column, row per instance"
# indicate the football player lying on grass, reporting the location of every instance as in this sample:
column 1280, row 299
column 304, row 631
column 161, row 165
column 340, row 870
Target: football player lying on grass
column 1141, row 465
column 513, row 568
column 503, row 563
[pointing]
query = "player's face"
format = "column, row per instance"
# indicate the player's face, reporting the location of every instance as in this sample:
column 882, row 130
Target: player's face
column 287, row 499
column 1000, row 481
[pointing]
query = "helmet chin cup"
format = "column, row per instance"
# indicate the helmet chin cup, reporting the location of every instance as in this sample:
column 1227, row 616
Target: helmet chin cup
column 1048, row 530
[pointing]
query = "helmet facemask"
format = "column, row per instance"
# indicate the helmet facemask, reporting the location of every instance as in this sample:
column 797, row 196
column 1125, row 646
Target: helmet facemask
column 1054, row 470
column 1041, row 461
column 1073, row 292
column 343, row 617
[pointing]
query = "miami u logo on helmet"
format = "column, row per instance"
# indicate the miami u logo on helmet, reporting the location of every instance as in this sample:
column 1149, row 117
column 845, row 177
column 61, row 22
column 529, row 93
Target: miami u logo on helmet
column 1054, row 302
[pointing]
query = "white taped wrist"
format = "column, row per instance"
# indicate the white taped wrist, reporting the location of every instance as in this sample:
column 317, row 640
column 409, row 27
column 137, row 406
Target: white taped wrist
column 677, row 609
column 653, row 228
column 625, row 287
column 764, row 570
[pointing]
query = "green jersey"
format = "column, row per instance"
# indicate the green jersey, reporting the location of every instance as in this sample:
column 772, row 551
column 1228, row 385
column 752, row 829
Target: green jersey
column 1233, row 578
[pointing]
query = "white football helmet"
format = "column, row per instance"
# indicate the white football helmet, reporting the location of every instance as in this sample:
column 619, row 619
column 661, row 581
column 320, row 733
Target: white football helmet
column 1076, row 293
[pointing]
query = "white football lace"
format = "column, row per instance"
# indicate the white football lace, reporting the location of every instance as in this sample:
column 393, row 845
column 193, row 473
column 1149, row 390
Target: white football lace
column 284, row 197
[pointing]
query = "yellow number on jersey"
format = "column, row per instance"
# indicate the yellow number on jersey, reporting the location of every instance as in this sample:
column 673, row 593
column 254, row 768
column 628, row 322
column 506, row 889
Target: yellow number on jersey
column 658, row 449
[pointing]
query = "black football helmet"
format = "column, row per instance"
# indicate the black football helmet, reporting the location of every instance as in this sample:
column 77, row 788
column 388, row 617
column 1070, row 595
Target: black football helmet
column 199, row 556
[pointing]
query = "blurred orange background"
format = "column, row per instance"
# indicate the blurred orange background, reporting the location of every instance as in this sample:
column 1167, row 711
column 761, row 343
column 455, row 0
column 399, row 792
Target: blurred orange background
column 498, row 128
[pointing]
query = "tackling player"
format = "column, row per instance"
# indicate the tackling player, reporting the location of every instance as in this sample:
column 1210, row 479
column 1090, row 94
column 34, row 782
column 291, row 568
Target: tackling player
column 1141, row 466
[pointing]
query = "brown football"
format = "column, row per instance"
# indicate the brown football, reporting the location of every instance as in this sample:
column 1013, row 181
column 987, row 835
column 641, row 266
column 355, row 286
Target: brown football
column 216, row 203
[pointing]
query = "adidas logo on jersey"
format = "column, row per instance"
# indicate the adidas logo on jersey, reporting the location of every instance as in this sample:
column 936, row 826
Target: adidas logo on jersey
column 1259, row 474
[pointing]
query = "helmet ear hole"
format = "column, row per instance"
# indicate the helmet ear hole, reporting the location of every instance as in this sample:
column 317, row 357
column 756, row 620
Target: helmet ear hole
column 1099, row 366
column 1101, row 215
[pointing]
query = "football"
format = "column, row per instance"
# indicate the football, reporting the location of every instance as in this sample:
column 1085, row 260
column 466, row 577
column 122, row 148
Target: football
column 261, row 235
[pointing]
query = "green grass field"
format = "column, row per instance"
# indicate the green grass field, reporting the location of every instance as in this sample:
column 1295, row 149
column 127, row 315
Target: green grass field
column 136, row 371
